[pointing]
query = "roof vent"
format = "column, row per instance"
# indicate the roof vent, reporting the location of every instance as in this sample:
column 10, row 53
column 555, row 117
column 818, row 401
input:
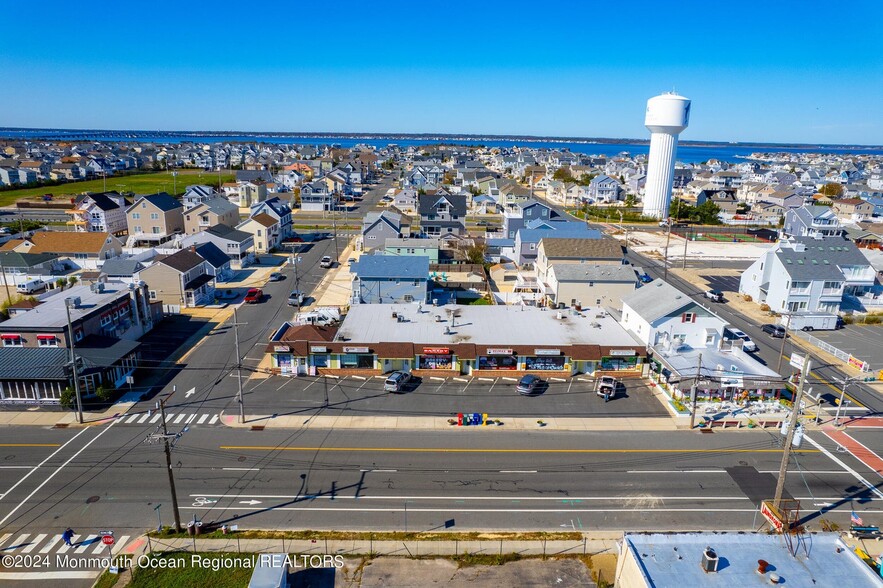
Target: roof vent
column 775, row 578
column 709, row 560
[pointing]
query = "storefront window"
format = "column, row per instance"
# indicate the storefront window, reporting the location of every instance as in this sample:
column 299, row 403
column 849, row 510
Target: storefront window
column 434, row 362
column 498, row 362
column 359, row 361
column 320, row 361
column 618, row 363
column 544, row 363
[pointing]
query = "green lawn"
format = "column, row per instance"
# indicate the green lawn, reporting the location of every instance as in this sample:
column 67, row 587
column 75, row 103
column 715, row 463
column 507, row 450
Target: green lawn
column 140, row 184
column 188, row 576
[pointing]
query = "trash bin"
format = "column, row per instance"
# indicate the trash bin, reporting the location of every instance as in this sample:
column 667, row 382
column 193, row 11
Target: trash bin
column 191, row 528
column 198, row 527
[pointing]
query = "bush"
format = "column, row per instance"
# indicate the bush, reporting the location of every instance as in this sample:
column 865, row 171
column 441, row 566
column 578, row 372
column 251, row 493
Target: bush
column 747, row 298
column 105, row 394
column 873, row 319
column 765, row 307
column 68, row 398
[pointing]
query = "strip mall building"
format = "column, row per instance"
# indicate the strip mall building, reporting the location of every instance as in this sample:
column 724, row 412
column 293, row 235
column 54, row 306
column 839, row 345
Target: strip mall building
column 458, row 340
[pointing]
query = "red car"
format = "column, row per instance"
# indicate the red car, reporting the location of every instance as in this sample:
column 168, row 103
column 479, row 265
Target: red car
column 254, row 295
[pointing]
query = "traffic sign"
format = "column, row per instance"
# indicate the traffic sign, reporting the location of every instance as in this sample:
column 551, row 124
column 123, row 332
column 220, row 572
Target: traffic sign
column 107, row 539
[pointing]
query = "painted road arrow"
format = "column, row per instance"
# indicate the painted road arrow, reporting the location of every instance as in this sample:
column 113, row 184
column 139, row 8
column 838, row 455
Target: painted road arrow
column 250, row 502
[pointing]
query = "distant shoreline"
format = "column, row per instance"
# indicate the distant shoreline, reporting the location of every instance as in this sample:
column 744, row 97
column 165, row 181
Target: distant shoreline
column 14, row 133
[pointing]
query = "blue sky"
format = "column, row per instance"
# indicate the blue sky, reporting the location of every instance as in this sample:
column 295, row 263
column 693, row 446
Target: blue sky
column 779, row 71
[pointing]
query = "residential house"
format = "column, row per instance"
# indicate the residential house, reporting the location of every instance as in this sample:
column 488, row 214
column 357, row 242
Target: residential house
column 405, row 201
column 853, row 210
column 442, row 215
column 278, row 209
column 553, row 249
column 154, row 219
column 180, row 280
column 383, row 279
column 267, row 232
column 237, row 245
column 317, row 197
column 84, row 250
column 527, row 239
column 725, row 199
column 603, row 188
column 104, row 212
column 808, row 274
column 578, row 284
column 377, row 227
column 660, row 314
column 210, row 212
column 810, row 221
column 217, row 262
column 121, row 269
column 408, row 246
column 19, row 267
column 196, row 194
column 515, row 217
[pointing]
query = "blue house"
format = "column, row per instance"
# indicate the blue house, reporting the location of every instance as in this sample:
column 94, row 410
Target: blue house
column 519, row 215
column 527, row 239
column 388, row 279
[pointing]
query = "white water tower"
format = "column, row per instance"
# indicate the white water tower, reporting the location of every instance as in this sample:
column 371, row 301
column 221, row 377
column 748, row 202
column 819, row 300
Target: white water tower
column 667, row 116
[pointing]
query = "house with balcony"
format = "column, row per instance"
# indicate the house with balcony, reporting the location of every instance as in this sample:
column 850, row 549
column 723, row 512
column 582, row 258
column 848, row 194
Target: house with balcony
column 853, row 210
column 209, row 213
column 442, row 215
column 197, row 193
column 806, row 274
column 588, row 250
column 104, row 212
column 317, row 197
column 384, row 279
column 154, row 219
column 278, row 209
column 179, row 280
column 84, row 250
column 266, row 230
column 377, row 227
column 237, row 245
column 518, row 215
column 603, row 188
column 812, row 221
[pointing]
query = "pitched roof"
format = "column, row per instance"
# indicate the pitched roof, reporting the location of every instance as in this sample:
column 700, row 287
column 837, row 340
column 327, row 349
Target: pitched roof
column 265, row 219
column 584, row 272
column 820, row 258
column 212, row 254
column 581, row 248
column 408, row 267
column 427, row 202
column 11, row 259
column 657, row 299
column 68, row 242
column 217, row 205
column 181, row 261
column 102, row 201
column 121, row 267
column 161, row 200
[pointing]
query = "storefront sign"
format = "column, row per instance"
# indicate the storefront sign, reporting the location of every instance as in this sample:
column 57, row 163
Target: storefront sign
column 436, row 351
column 547, row 352
column 544, row 363
column 797, row 361
column 770, row 515
column 622, row 352
column 499, row 351
column 281, row 348
column 857, row 363
column 355, row 350
column 318, row 349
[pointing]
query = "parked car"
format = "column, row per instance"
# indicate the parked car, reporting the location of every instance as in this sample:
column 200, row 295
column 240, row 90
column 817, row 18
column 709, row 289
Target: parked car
column 606, row 387
column 30, row 286
column 254, row 295
column 715, row 295
column 747, row 343
column 528, row 385
column 482, row 223
column 277, row 277
column 326, row 262
column 296, row 298
column 396, row 382
column 645, row 278
column 775, row 331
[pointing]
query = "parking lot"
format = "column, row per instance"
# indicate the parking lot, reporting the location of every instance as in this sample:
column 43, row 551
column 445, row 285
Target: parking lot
column 358, row 396
column 862, row 341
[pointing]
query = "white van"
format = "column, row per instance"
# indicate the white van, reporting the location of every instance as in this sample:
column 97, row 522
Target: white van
column 30, row 286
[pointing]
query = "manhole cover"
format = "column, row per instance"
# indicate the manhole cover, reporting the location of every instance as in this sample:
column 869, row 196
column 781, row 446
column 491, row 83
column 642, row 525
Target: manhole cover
column 242, row 458
column 92, row 499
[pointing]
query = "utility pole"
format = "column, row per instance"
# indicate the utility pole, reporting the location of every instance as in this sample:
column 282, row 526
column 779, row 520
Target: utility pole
column 686, row 240
column 5, row 282
column 665, row 259
column 693, row 391
column 786, row 454
column 295, row 261
column 782, row 348
column 846, row 383
column 236, row 324
column 166, row 437
column 334, row 228
column 72, row 341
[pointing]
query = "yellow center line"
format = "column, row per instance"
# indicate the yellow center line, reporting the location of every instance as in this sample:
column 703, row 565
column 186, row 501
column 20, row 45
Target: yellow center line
column 837, row 390
column 473, row 450
column 30, row 445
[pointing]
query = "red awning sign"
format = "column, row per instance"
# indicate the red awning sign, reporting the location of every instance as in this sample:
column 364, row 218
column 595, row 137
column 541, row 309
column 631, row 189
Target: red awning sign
column 46, row 337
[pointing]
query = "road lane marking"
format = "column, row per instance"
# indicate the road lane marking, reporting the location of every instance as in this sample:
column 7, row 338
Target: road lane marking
column 18, row 542
column 30, row 444
column 518, row 471
column 48, row 547
column 380, row 471
column 202, row 419
column 155, row 418
column 85, row 544
column 214, row 419
column 179, row 418
column 496, row 450
column 119, row 544
column 190, row 419
column 241, row 469
column 838, row 462
column 190, row 392
column 480, row 510
column 25, row 477
column 362, row 498
column 4, row 538
column 58, row 469
column 130, row 419
column 101, row 547
column 34, row 542
column 15, row 467
column 65, row 547
column 144, row 418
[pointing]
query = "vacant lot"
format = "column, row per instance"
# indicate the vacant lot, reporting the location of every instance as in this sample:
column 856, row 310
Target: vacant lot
column 140, row 184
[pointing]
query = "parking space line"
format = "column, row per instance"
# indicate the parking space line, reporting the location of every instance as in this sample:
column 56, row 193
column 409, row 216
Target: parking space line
column 487, row 379
column 359, row 377
column 462, row 380
column 437, row 379
column 557, row 380
column 570, row 385
column 511, row 379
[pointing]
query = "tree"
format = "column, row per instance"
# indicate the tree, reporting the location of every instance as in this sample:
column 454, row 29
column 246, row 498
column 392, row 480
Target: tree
column 832, row 189
column 706, row 213
column 630, row 201
column 586, row 179
column 562, row 174
column 475, row 254
column 61, row 283
column 71, row 281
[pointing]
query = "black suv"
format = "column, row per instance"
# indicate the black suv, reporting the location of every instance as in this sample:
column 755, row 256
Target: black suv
column 776, row 331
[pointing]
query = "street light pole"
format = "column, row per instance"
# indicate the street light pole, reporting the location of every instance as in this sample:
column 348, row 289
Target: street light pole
column 693, row 392
column 846, row 384
column 168, row 452
column 71, row 342
column 665, row 258
column 236, row 324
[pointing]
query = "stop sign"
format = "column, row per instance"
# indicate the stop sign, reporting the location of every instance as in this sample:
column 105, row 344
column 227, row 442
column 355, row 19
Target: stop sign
column 107, row 539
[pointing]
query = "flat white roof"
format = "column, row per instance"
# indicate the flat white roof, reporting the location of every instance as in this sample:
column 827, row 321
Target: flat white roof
column 483, row 325
column 51, row 313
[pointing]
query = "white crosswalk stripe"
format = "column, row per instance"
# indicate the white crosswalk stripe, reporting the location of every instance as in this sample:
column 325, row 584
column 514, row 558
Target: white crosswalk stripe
column 120, row 543
column 169, row 417
column 213, row 420
column 155, row 418
column 17, row 543
column 48, row 547
column 131, row 418
column 144, row 418
column 202, row 419
column 179, row 418
column 85, row 544
column 190, row 419
column 65, row 548
column 101, row 548
column 4, row 538
column 33, row 543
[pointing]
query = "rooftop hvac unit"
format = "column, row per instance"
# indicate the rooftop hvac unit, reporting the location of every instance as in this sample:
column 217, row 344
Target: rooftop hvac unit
column 709, row 560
